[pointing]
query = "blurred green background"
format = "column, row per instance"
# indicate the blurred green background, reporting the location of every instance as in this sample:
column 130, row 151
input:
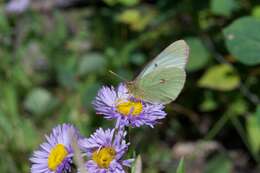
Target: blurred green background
column 55, row 55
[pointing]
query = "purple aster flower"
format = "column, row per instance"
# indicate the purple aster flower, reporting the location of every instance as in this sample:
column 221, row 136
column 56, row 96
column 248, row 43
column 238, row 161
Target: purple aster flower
column 17, row 6
column 119, row 104
column 106, row 148
column 55, row 155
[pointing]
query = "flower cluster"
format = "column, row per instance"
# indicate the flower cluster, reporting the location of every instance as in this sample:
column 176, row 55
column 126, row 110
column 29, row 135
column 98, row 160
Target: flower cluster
column 128, row 111
column 104, row 150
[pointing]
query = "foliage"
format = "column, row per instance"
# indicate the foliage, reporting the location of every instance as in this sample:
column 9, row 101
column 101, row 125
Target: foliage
column 219, row 164
column 199, row 55
column 220, row 77
column 180, row 168
column 253, row 128
column 54, row 60
column 243, row 31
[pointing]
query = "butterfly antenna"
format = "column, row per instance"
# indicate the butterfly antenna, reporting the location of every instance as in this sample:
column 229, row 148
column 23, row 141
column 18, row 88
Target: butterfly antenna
column 115, row 74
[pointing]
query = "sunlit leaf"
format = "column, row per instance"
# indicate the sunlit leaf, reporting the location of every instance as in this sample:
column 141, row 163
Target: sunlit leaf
column 137, row 19
column 220, row 77
column 243, row 40
column 256, row 11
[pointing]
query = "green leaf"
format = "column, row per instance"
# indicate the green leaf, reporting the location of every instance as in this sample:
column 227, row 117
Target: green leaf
column 181, row 167
column 256, row 11
column 223, row 7
column 39, row 101
column 92, row 63
column 243, row 40
column 219, row 164
column 199, row 55
column 137, row 19
column 253, row 130
column 220, row 77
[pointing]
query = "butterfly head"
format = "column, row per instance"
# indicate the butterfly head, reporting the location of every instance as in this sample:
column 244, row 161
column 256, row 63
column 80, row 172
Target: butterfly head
column 134, row 90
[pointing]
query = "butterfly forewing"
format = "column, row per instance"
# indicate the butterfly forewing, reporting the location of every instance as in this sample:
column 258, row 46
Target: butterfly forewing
column 175, row 55
column 162, row 85
column 163, row 78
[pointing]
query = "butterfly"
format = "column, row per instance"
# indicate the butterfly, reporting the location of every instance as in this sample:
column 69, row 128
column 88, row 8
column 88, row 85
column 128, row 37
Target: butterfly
column 162, row 80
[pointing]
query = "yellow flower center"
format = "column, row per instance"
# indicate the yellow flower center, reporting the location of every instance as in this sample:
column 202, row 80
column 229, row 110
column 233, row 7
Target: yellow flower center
column 104, row 156
column 57, row 155
column 130, row 107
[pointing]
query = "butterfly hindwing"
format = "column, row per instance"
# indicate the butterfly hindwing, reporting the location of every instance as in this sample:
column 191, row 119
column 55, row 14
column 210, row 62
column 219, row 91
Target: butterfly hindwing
column 162, row 85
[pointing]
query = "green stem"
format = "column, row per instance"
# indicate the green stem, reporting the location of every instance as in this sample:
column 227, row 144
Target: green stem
column 236, row 123
column 217, row 127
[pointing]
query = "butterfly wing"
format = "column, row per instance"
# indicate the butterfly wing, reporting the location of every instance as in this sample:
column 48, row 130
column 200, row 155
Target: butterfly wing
column 175, row 55
column 162, row 85
column 163, row 78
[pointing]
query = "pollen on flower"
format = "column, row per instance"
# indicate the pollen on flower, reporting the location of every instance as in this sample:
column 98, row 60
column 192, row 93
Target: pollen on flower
column 104, row 156
column 57, row 155
column 130, row 107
